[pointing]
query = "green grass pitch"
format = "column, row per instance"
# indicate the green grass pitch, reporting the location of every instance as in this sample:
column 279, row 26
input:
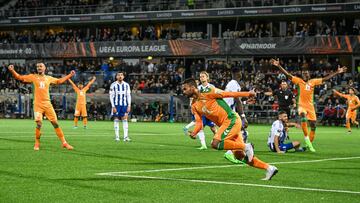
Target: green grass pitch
column 53, row 174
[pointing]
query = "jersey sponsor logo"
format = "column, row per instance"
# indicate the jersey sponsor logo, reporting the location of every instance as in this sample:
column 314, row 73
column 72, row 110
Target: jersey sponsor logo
column 307, row 87
column 205, row 90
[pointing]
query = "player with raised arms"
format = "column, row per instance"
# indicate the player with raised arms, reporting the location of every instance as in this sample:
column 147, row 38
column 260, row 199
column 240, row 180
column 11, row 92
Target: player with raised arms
column 42, row 105
column 305, row 99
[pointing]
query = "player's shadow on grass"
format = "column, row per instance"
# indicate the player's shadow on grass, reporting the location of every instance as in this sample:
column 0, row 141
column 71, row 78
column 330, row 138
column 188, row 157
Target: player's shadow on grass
column 71, row 182
column 132, row 159
column 18, row 141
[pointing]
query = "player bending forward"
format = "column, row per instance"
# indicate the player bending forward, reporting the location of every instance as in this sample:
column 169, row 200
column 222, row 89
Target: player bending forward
column 228, row 136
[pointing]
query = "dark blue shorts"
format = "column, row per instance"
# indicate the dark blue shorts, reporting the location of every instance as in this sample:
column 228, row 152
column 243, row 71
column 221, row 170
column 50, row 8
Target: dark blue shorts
column 283, row 147
column 120, row 111
column 206, row 122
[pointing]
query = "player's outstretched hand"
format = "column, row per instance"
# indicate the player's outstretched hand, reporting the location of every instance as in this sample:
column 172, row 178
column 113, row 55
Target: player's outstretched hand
column 94, row 78
column 11, row 67
column 72, row 72
column 275, row 62
column 252, row 93
column 342, row 69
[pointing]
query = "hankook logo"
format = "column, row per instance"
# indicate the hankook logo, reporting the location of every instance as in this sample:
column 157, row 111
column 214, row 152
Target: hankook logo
column 258, row 46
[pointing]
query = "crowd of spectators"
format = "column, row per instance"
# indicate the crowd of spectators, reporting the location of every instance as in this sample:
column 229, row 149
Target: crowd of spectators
column 165, row 32
column 166, row 77
column 44, row 7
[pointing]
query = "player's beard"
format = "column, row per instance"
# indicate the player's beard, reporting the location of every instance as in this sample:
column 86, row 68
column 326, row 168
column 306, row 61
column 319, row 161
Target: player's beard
column 40, row 72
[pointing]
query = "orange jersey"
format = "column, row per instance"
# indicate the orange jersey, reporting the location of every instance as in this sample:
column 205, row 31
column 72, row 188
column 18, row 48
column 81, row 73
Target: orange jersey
column 213, row 107
column 81, row 93
column 41, row 85
column 306, row 90
column 352, row 100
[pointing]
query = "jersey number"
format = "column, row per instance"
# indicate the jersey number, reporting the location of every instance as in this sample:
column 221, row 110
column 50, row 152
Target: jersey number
column 42, row 85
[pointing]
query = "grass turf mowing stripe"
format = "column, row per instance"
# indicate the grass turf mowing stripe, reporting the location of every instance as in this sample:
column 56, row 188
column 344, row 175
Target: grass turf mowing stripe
column 224, row 166
column 239, row 184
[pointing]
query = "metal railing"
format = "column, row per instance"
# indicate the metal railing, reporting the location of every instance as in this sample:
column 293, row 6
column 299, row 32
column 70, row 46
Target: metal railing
column 160, row 5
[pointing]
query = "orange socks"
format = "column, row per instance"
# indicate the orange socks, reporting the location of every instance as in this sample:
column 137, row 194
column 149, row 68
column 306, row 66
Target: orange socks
column 230, row 144
column 76, row 119
column 257, row 163
column 304, row 128
column 37, row 135
column 348, row 125
column 60, row 135
column 85, row 121
column 312, row 135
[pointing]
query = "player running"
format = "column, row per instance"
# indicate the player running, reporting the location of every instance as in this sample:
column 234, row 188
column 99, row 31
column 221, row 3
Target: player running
column 42, row 105
column 80, row 109
column 353, row 103
column 204, row 87
column 306, row 109
column 228, row 136
column 120, row 98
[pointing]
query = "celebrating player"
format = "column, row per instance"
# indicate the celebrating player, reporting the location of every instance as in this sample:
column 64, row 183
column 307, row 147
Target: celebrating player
column 42, row 105
column 120, row 99
column 278, row 135
column 80, row 109
column 204, row 87
column 353, row 103
column 228, row 136
column 306, row 107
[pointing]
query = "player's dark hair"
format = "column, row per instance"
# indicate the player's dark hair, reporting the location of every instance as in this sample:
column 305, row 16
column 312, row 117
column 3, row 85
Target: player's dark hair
column 352, row 88
column 235, row 70
column 190, row 81
column 281, row 112
column 121, row 72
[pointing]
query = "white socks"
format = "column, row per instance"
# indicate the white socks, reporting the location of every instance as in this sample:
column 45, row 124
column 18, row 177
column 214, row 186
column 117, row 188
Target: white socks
column 116, row 128
column 229, row 152
column 191, row 124
column 201, row 136
column 125, row 128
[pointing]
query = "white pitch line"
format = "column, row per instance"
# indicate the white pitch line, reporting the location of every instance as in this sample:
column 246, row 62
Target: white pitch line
column 240, row 184
column 223, row 166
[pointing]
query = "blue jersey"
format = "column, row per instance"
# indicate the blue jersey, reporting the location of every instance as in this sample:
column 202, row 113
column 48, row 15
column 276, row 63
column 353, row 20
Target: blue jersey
column 120, row 94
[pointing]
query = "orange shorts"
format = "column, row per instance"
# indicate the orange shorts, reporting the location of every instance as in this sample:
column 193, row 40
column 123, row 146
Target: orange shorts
column 80, row 110
column 351, row 115
column 44, row 109
column 309, row 111
column 229, row 130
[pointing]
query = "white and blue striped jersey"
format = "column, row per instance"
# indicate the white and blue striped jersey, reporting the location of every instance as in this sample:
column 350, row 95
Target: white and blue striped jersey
column 120, row 94
column 277, row 129
column 232, row 86
column 206, row 88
